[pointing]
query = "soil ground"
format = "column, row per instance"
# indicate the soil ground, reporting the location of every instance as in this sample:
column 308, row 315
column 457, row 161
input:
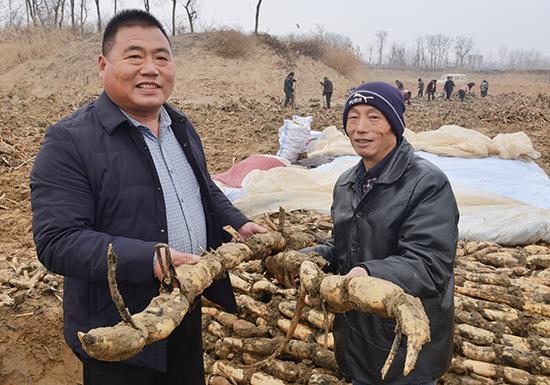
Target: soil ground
column 235, row 105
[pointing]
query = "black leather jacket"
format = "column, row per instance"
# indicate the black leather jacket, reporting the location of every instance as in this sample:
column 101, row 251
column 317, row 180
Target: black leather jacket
column 403, row 230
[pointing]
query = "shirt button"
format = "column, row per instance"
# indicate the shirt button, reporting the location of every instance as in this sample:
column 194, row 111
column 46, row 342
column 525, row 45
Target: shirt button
column 354, row 249
column 162, row 230
column 158, row 188
column 184, row 144
column 359, row 214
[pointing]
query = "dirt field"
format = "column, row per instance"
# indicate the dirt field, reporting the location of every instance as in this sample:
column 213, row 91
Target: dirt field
column 235, row 104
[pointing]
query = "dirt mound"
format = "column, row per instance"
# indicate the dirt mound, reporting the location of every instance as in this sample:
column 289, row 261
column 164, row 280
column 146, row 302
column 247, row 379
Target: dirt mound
column 202, row 74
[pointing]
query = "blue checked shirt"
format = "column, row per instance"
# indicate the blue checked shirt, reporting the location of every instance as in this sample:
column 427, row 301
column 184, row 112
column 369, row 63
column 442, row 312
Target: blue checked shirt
column 182, row 196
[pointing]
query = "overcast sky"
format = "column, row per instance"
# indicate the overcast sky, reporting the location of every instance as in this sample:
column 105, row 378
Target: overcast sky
column 491, row 23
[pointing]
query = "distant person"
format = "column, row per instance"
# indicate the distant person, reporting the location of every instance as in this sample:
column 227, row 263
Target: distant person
column 462, row 91
column 420, row 88
column 484, row 88
column 327, row 90
column 449, row 87
column 407, row 95
column 289, row 89
column 399, row 85
column 465, row 89
column 431, row 89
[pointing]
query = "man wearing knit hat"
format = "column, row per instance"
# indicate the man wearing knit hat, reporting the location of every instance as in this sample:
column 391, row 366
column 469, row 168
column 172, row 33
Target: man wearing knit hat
column 395, row 218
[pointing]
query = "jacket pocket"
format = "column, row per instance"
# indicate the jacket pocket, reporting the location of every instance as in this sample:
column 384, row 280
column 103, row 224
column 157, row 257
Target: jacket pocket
column 372, row 329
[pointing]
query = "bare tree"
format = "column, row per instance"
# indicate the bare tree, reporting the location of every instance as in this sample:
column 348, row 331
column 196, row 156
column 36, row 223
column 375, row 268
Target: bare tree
column 83, row 15
column 30, row 7
column 191, row 9
column 420, row 55
column 98, row 15
column 381, row 37
column 57, row 7
column 115, row 3
column 73, row 19
column 397, row 56
column 502, row 55
column 370, row 52
column 463, row 46
column 62, row 13
column 257, row 16
column 147, row 5
column 174, row 2
column 438, row 49
column 11, row 17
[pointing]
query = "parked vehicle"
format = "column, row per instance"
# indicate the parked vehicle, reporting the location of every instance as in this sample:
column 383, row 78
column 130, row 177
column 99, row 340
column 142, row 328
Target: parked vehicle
column 459, row 79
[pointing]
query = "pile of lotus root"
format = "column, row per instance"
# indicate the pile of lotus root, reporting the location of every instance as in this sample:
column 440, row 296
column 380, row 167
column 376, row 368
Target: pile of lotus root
column 281, row 334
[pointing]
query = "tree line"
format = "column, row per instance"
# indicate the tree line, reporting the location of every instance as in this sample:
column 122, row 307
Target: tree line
column 74, row 13
column 438, row 51
column 430, row 52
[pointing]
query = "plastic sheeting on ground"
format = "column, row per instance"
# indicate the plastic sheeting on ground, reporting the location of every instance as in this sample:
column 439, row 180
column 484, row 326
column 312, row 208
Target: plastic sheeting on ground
column 463, row 142
column 504, row 201
column 447, row 140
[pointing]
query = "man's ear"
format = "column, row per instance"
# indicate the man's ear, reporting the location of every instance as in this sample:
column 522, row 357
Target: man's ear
column 101, row 64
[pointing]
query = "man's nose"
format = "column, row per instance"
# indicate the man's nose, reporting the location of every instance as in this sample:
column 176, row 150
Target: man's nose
column 363, row 124
column 149, row 67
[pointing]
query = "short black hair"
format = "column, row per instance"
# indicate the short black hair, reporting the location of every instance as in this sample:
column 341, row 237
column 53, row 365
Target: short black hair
column 129, row 18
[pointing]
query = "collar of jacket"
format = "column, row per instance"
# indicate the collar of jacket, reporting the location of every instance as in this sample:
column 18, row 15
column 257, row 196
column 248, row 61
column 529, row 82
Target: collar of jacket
column 111, row 117
column 396, row 166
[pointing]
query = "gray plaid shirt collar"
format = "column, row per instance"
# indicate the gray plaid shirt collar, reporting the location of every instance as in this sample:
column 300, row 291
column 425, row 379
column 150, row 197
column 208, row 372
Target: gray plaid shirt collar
column 165, row 122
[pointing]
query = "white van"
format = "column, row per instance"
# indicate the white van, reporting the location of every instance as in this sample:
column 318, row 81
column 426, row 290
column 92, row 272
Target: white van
column 459, row 79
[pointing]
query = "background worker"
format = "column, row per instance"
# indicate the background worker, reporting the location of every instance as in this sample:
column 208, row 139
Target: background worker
column 327, row 90
column 484, row 88
column 288, row 88
column 449, row 86
column 420, row 88
column 431, row 89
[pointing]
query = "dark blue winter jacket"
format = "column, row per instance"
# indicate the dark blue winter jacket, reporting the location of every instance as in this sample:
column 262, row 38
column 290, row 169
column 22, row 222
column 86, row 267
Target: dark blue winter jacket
column 94, row 183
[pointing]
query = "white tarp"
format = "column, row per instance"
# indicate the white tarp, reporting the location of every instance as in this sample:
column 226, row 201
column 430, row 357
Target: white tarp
column 447, row 140
column 504, row 201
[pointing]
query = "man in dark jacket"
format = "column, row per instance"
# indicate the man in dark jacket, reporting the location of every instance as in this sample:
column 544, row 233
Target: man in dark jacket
column 288, row 88
column 484, row 88
column 431, row 89
column 128, row 169
column 395, row 218
column 449, row 86
column 420, row 88
column 399, row 84
column 327, row 90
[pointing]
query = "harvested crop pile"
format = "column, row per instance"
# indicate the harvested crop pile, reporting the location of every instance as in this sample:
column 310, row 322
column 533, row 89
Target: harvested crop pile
column 502, row 315
column 324, row 291
column 266, row 307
